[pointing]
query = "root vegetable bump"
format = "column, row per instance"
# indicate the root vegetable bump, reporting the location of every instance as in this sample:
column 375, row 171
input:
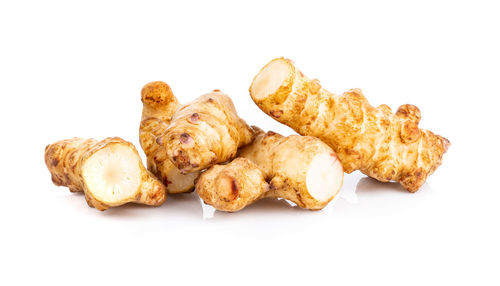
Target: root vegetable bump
column 109, row 172
column 382, row 145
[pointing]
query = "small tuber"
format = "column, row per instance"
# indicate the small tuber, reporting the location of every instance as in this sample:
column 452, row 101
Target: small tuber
column 301, row 169
column 109, row 172
column 159, row 104
column 203, row 133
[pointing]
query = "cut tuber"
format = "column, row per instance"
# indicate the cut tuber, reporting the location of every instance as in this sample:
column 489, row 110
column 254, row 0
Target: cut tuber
column 301, row 169
column 109, row 172
column 382, row 145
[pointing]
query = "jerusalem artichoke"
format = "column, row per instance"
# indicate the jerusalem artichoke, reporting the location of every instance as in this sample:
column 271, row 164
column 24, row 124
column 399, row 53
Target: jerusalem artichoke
column 159, row 104
column 204, row 132
column 383, row 145
column 109, row 172
column 301, row 169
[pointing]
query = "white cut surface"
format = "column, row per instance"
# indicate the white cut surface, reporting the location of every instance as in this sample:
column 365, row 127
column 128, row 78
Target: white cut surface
column 178, row 182
column 112, row 174
column 270, row 79
column 324, row 177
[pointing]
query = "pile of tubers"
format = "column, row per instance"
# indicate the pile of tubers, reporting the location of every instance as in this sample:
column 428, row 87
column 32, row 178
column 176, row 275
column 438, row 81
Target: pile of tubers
column 205, row 146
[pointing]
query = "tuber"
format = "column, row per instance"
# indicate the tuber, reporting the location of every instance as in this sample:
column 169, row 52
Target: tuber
column 382, row 145
column 109, row 172
column 159, row 104
column 301, row 169
column 204, row 132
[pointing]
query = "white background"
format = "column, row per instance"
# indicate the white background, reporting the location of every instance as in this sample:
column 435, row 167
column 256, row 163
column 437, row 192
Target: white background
column 76, row 69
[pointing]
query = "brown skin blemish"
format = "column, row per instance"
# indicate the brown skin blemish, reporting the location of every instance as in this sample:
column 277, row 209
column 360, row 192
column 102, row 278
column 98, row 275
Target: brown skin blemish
column 159, row 140
column 276, row 113
column 402, row 112
column 155, row 158
column 194, row 117
column 54, row 162
column 181, row 160
column 216, row 90
column 210, row 100
column 272, row 187
column 153, row 98
column 185, row 138
column 418, row 173
column 234, row 188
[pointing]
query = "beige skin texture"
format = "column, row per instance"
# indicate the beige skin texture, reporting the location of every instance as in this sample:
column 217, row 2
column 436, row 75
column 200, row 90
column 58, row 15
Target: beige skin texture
column 203, row 133
column 159, row 104
column 382, row 145
column 301, row 169
column 109, row 172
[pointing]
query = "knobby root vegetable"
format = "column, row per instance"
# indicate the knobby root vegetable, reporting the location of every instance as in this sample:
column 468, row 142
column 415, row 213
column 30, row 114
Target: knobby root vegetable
column 382, row 145
column 159, row 104
column 301, row 169
column 109, row 172
column 204, row 132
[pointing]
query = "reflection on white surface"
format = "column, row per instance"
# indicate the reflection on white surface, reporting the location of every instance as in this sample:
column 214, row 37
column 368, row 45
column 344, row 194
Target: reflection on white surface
column 208, row 210
column 292, row 204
